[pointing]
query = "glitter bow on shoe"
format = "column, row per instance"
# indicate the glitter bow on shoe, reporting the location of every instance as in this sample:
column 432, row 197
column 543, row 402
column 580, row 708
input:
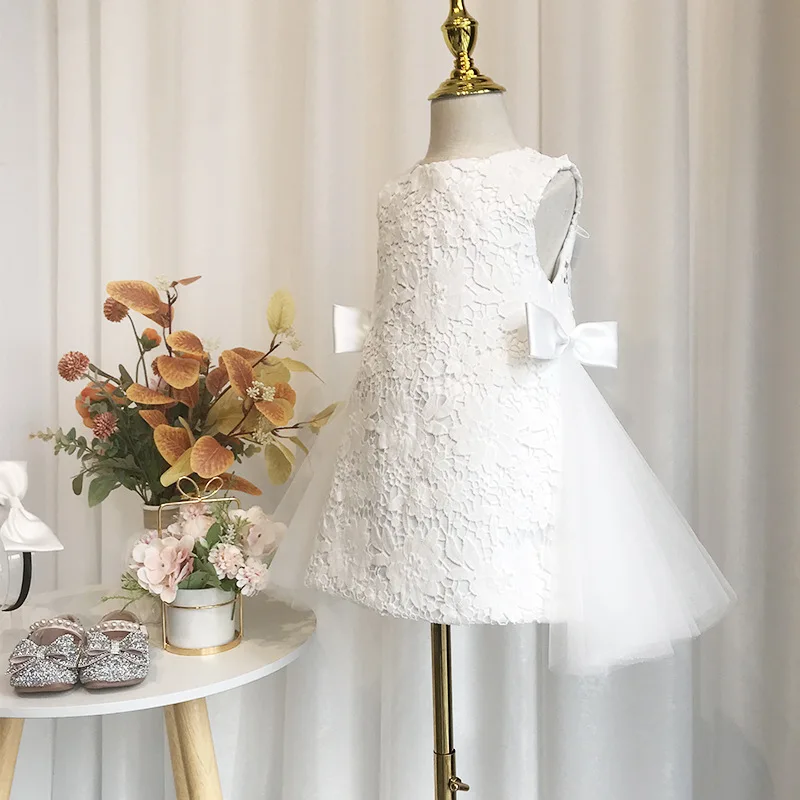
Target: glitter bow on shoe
column 47, row 660
column 117, row 653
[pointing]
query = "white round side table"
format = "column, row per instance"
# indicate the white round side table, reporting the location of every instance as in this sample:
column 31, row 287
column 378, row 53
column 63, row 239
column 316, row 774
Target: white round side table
column 275, row 635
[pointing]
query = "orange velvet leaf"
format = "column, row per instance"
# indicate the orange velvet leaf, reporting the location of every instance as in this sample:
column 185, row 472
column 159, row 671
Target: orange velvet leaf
column 138, row 295
column 285, row 392
column 240, row 373
column 252, row 357
column 179, row 373
column 162, row 316
column 171, row 442
column 143, row 396
column 277, row 411
column 234, row 483
column 210, row 458
column 186, row 342
column 189, row 397
column 216, row 380
column 153, row 417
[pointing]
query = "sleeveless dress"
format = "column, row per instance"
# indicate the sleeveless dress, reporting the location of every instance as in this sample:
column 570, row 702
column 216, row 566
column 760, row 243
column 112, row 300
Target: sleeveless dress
column 476, row 475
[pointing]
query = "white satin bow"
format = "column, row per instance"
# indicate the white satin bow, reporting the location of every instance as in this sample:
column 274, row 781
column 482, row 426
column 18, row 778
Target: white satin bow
column 592, row 343
column 22, row 531
column 350, row 328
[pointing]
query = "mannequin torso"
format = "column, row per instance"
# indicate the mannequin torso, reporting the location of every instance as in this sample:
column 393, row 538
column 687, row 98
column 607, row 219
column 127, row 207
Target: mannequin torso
column 477, row 126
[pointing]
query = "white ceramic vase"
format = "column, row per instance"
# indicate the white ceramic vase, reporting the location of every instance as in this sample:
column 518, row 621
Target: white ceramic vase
column 201, row 618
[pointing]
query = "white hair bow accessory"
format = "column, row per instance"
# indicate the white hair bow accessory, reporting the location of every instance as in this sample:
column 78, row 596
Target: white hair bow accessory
column 22, row 531
column 592, row 343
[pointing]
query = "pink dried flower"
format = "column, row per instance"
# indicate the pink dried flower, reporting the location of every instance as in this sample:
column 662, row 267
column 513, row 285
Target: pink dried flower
column 162, row 564
column 73, row 365
column 252, row 577
column 227, row 560
column 105, row 425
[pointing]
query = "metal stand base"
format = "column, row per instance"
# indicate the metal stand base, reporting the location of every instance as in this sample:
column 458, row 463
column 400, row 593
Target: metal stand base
column 448, row 784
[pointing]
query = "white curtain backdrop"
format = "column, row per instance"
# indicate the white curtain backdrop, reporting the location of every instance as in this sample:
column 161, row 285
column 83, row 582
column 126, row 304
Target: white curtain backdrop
column 246, row 140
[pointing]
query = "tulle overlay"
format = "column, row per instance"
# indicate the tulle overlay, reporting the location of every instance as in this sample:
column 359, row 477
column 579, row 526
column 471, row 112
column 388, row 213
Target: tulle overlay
column 630, row 578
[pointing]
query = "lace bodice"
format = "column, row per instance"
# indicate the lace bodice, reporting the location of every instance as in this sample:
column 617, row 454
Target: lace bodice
column 444, row 496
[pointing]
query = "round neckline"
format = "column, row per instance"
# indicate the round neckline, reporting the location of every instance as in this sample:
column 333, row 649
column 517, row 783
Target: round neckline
column 463, row 160
column 472, row 159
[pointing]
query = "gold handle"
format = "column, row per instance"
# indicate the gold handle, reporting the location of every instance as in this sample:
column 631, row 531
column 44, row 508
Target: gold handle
column 457, row 785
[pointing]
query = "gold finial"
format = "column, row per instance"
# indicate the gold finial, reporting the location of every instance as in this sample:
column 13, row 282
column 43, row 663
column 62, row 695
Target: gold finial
column 461, row 32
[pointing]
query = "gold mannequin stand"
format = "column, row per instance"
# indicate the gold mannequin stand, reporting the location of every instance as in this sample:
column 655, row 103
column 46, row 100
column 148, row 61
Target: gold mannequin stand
column 448, row 784
column 460, row 32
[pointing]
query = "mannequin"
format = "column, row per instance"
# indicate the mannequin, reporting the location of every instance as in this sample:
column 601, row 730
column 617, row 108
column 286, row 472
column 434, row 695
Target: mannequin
column 477, row 126
column 469, row 120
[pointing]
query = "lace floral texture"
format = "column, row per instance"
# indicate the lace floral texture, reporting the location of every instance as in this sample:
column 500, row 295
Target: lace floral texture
column 444, row 496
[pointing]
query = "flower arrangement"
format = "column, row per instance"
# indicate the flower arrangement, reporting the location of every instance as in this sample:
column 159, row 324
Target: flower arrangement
column 208, row 546
column 176, row 413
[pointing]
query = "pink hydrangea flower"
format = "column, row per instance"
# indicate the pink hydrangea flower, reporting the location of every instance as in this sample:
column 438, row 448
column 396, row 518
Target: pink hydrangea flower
column 252, row 577
column 227, row 560
column 262, row 537
column 193, row 521
column 161, row 564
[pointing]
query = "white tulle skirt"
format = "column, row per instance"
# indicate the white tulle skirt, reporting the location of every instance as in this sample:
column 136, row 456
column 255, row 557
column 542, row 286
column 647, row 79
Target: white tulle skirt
column 631, row 579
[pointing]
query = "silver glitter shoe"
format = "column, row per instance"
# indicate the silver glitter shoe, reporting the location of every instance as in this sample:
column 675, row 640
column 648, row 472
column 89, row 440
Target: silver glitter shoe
column 116, row 653
column 47, row 660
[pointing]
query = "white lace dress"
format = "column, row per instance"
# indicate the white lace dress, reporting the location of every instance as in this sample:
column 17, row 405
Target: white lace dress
column 472, row 481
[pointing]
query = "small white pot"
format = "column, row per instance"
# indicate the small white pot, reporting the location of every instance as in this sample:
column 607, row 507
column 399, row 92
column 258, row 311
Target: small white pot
column 201, row 618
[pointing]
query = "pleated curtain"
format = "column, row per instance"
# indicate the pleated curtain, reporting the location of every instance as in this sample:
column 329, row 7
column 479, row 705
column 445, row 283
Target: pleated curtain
column 246, row 141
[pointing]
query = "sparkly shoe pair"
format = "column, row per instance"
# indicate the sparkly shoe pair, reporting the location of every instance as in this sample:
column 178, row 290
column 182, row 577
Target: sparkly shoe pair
column 58, row 653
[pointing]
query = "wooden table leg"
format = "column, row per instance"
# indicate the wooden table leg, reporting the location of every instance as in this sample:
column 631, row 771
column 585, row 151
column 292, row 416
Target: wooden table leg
column 194, row 763
column 178, row 769
column 10, row 735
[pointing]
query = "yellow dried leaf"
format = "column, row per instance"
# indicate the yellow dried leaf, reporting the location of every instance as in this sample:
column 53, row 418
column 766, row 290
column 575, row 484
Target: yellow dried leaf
column 323, row 418
column 299, row 443
column 138, row 295
column 186, row 342
column 298, row 366
column 171, row 442
column 210, row 458
column 225, row 414
column 153, row 417
column 187, row 281
column 280, row 311
column 240, row 373
column 279, row 468
column 180, row 469
column 278, row 411
column 143, row 396
column 272, row 371
column 179, row 373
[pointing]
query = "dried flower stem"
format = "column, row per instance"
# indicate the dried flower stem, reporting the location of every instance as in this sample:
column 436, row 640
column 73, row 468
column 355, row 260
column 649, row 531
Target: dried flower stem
column 141, row 353
column 101, row 373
